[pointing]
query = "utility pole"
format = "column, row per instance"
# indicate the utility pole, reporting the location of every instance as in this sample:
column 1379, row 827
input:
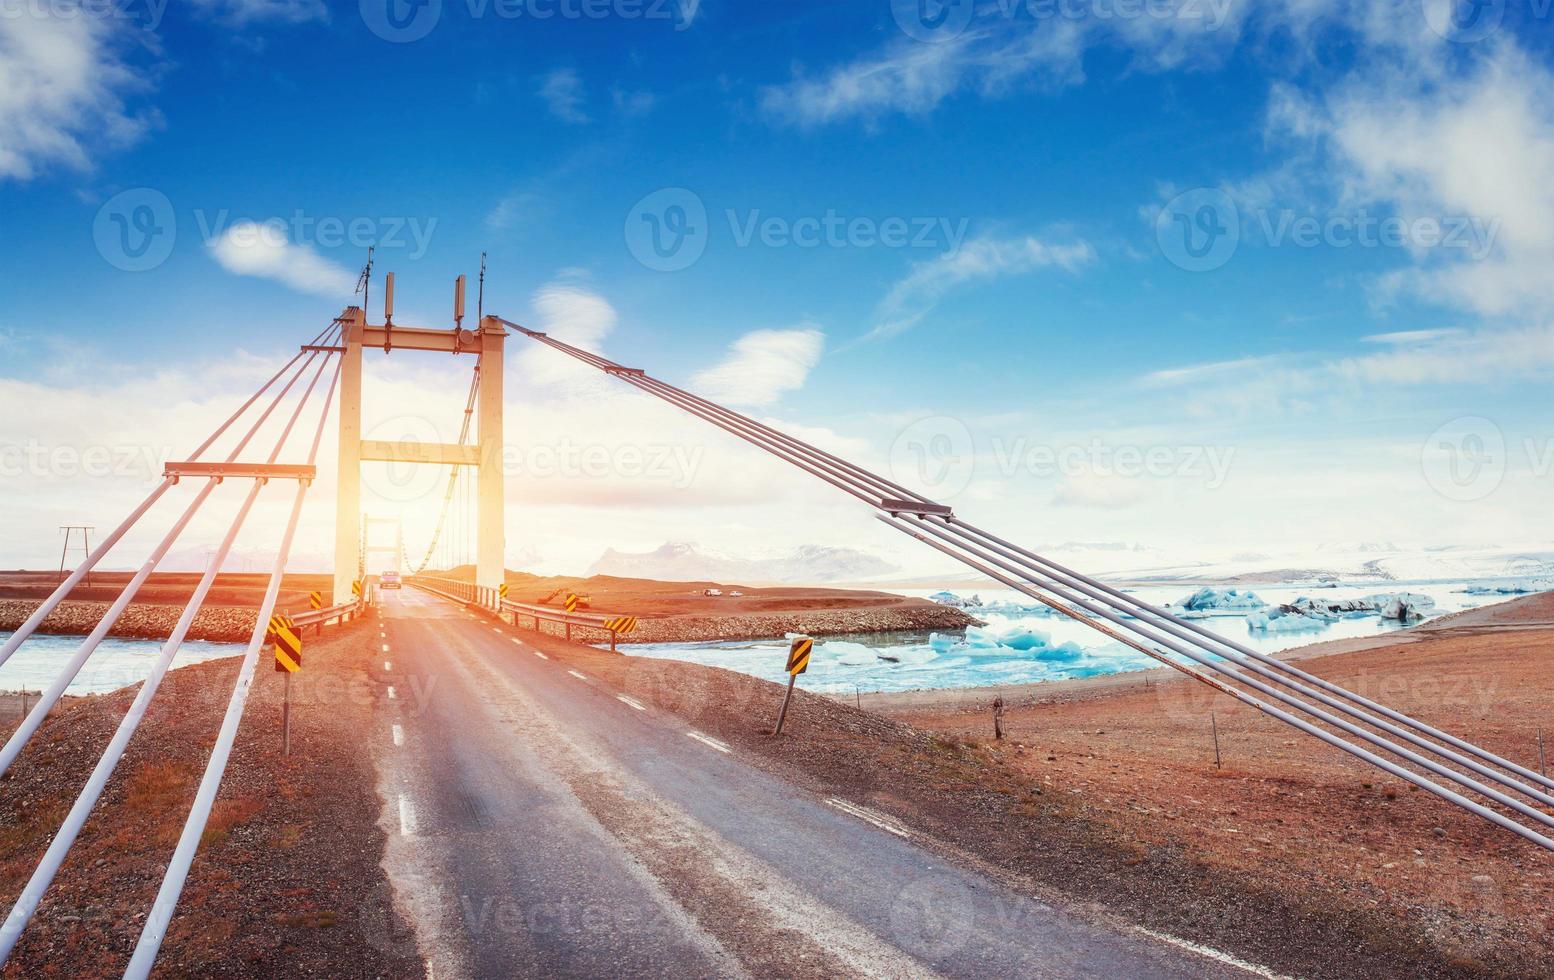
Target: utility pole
column 86, row 547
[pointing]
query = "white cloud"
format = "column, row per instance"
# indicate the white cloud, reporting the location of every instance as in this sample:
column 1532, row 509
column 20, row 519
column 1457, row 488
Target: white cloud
column 981, row 259
column 1476, row 145
column 562, row 91
column 633, row 103
column 64, row 86
column 261, row 249
column 246, row 12
column 1296, row 381
column 761, row 366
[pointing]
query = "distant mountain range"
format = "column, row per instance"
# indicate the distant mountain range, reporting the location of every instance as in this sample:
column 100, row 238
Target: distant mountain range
column 687, row 562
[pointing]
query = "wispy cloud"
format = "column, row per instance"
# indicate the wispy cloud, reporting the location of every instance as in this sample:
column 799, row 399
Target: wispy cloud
column 1285, row 382
column 562, row 92
column 247, row 12
column 65, row 89
column 979, row 260
column 763, row 365
column 250, row 248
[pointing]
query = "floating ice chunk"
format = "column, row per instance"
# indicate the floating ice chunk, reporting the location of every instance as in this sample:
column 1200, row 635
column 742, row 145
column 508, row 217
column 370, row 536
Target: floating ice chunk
column 1285, row 619
column 1404, row 607
column 951, row 599
column 1522, row 587
column 1221, row 602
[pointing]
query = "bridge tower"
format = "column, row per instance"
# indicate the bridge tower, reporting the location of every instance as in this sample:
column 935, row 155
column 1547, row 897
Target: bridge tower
column 396, row 550
column 487, row 344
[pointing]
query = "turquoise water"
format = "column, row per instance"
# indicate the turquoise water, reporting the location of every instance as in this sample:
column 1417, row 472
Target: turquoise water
column 116, row 663
column 1025, row 643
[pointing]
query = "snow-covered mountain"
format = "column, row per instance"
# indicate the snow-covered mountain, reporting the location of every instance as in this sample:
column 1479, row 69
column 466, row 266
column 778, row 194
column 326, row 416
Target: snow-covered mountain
column 687, row 562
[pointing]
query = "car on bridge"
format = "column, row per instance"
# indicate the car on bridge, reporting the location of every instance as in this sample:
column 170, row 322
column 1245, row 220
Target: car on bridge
column 388, row 580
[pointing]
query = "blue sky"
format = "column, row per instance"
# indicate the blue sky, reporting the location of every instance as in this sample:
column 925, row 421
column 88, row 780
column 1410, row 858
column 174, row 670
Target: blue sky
column 1063, row 178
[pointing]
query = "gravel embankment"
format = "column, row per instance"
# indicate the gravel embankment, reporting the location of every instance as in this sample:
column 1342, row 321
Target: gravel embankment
column 287, row 881
column 816, row 622
column 222, row 624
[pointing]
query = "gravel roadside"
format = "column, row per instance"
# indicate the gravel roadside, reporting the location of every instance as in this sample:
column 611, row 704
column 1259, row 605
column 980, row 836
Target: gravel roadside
column 287, row 881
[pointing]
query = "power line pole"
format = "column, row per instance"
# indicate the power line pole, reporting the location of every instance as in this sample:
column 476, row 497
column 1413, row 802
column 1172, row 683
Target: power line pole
column 86, row 547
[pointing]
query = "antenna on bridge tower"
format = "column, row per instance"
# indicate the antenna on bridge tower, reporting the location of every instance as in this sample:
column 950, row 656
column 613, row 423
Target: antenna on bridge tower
column 388, row 312
column 364, row 281
column 458, row 303
column 480, row 294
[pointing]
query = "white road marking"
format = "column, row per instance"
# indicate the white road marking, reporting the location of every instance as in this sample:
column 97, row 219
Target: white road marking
column 868, row 816
column 628, row 702
column 391, row 693
column 387, row 665
column 1209, row 952
column 406, row 816
column 581, row 677
column 399, row 735
column 708, row 740
column 517, row 641
column 540, row 655
column 385, row 648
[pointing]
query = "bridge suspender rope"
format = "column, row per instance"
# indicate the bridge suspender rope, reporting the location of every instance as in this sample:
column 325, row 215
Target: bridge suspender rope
column 32, row 894
column 1214, row 660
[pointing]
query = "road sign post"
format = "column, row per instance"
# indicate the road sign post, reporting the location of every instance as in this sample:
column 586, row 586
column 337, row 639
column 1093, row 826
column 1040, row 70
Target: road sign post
column 288, row 660
column 798, row 663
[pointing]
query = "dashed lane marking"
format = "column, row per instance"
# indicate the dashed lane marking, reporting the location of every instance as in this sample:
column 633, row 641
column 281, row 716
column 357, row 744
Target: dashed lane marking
column 1208, row 952
column 540, row 655
column 581, row 677
column 387, row 665
column 869, row 816
column 406, row 816
column 628, row 702
column 709, row 741
column 399, row 735
column 385, row 648
column 391, row 694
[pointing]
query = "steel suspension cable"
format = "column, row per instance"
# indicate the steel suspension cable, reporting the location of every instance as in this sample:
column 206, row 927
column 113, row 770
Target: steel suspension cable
column 453, row 471
column 869, row 488
column 88, row 646
column 722, row 420
column 166, row 902
column 48, row 605
column 32, row 894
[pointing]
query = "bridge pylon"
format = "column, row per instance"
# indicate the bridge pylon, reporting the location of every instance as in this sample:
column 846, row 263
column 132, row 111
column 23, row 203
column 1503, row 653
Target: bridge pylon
column 487, row 344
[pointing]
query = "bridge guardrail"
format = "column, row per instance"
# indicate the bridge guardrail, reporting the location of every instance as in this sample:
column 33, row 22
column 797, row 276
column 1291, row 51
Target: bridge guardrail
column 489, row 599
column 344, row 612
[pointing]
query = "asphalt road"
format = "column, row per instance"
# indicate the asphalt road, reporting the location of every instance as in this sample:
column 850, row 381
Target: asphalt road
column 540, row 825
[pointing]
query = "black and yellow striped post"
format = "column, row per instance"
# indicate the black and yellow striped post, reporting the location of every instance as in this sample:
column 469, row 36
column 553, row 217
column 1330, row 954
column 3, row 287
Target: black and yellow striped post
column 798, row 663
column 571, row 604
column 620, row 626
column 288, row 660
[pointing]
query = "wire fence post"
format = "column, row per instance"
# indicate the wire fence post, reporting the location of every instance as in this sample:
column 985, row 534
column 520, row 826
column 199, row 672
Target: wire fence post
column 1541, row 767
column 1214, row 724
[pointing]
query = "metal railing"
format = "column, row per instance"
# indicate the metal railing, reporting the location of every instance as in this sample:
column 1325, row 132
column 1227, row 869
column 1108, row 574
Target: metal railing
column 344, row 612
column 491, row 601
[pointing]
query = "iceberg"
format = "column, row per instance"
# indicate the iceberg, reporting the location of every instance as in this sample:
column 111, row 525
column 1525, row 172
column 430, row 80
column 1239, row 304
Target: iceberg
column 955, row 601
column 1220, row 602
column 1523, row 587
column 1285, row 619
column 1405, row 607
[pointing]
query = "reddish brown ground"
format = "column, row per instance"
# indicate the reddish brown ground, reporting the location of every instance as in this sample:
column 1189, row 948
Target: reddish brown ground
column 168, row 588
column 1301, row 816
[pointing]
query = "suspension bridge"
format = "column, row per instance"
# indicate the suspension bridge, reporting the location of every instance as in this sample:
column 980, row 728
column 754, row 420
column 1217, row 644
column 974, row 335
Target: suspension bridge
column 272, row 443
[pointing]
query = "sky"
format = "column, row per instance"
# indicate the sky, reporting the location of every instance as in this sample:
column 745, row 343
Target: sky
column 1207, row 277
